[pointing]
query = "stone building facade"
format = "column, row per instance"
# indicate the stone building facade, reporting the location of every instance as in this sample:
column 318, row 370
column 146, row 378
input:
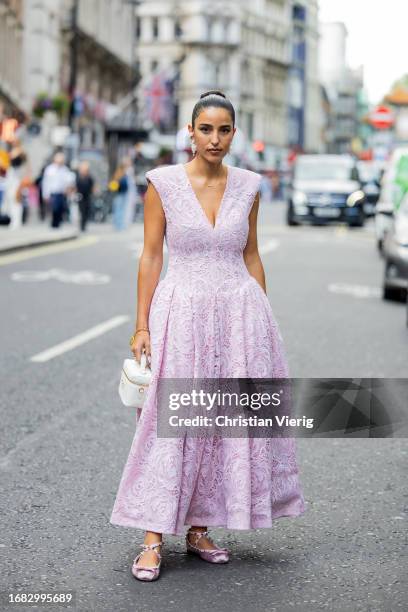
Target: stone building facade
column 243, row 48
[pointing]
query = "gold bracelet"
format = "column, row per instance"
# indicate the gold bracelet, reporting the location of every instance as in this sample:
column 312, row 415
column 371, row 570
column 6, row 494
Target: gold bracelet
column 132, row 339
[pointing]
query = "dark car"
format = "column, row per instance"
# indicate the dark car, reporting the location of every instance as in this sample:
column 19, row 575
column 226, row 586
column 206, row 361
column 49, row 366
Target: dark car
column 326, row 188
column 395, row 251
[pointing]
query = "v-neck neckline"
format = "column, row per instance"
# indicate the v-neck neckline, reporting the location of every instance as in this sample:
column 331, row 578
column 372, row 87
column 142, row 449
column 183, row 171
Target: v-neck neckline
column 213, row 227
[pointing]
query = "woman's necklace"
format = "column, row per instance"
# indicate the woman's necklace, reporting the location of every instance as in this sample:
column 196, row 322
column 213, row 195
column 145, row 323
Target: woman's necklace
column 208, row 185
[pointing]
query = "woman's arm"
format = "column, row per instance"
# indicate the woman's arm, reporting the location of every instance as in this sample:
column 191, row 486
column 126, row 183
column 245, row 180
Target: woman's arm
column 251, row 255
column 150, row 265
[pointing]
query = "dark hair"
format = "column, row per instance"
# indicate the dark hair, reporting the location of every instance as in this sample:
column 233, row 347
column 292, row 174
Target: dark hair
column 210, row 99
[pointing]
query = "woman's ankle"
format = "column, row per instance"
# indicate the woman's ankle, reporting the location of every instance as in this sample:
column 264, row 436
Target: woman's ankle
column 195, row 528
column 152, row 537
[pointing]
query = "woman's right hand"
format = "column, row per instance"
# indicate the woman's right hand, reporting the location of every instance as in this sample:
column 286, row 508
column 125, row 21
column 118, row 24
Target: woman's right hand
column 141, row 344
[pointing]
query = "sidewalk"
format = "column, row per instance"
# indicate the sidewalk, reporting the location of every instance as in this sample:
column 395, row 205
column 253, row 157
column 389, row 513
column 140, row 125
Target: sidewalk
column 34, row 234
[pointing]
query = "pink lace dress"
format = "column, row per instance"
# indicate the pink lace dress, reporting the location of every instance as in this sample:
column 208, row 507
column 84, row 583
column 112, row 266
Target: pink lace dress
column 209, row 318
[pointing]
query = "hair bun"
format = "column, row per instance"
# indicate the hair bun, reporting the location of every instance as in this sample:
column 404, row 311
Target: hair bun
column 213, row 92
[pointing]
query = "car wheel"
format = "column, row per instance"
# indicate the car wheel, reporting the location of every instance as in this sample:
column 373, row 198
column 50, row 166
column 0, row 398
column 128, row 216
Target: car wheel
column 407, row 310
column 359, row 222
column 391, row 293
column 289, row 218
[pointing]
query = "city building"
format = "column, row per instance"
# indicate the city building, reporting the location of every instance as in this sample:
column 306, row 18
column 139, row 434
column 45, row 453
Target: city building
column 99, row 74
column 11, row 49
column 243, row 48
column 304, row 96
column 52, row 49
column 343, row 85
column 262, row 54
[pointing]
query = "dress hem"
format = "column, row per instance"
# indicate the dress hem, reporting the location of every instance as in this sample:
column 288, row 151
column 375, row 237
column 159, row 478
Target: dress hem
column 221, row 524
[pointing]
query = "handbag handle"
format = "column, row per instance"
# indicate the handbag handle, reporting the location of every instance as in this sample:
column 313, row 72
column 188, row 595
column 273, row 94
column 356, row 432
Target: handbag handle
column 143, row 361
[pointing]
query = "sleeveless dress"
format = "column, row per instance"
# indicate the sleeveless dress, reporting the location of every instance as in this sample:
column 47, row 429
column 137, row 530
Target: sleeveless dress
column 208, row 318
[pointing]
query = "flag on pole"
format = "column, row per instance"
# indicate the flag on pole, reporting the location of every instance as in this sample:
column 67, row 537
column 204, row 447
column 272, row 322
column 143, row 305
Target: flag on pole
column 159, row 99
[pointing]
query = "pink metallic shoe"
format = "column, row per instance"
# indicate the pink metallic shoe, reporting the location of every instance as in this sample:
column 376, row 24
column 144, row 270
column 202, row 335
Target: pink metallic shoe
column 143, row 572
column 217, row 555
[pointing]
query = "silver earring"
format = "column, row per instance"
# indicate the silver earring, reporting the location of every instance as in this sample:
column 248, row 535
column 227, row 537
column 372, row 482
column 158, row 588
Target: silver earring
column 193, row 147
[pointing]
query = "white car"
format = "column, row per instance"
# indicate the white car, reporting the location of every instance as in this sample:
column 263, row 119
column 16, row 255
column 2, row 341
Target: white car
column 389, row 194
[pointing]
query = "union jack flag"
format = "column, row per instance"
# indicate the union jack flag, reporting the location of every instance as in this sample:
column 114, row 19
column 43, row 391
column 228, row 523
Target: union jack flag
column 159, row 99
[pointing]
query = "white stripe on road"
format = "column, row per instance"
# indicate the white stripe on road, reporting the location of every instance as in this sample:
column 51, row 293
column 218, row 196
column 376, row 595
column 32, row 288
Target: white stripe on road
column 72, row 343
column 271, row 245
column 357, row 291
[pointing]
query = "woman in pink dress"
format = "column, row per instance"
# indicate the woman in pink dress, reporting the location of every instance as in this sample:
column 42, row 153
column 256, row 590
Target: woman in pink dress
column 209, row 317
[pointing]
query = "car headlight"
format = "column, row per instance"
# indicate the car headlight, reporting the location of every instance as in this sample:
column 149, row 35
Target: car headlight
column 299, row 198
column 355, row 197
column 401, row 234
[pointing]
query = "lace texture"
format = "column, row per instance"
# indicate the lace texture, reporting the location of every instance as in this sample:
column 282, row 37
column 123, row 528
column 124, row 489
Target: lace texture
column 208, row 318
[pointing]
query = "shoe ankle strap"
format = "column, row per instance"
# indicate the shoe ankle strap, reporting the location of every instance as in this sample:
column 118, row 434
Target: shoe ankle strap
column 198, row 534
column 151, row 546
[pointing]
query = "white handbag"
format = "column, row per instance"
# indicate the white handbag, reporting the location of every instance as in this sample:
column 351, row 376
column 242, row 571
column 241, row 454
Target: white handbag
column 134, row 382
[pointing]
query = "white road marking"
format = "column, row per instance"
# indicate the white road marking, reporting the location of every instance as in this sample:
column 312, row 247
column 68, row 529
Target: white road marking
column 78, row 277
column 72, row 343
column 357, row 291
column 266, row 247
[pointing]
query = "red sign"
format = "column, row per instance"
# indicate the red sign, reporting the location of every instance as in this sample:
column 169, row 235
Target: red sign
column 381, row 118
column 258, row 146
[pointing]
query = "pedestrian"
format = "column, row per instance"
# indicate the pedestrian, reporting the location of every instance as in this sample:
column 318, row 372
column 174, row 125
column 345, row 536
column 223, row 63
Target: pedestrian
column 17, row 181
column 85, row 185
column 56, row 184
column 120, row 186
column 139, row 162
column 131, row 192
column 208, row 318
column 4, row 165
column 42, row 208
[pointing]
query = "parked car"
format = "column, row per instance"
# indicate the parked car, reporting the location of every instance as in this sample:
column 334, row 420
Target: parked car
column 395, row 252
column 370, row 173
column 326, row 188
column 391, row 194
column 406, row 320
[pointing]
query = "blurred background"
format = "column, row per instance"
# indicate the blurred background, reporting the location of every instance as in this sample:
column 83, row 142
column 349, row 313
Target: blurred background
column 320, row 89
column 98, row 77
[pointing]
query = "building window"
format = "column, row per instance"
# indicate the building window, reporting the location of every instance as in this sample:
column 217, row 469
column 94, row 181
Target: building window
column 226, row 27
column 250, row 124
column 138, row 30
column 299, row 12
column 155, row 28
column 178, row 31
column 209, row 30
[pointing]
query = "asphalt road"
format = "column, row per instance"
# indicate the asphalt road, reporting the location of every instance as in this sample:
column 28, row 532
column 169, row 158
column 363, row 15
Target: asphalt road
column 66, row 437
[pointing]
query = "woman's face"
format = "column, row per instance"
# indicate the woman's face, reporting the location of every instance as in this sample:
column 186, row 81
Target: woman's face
column 213, row 133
